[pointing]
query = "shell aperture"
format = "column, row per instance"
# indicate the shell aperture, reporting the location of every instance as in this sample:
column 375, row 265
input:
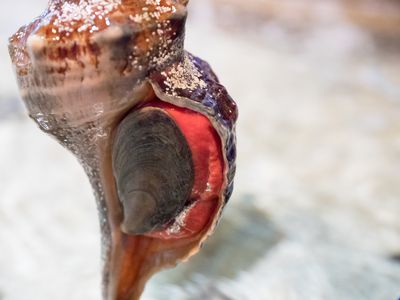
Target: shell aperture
column 153, row 169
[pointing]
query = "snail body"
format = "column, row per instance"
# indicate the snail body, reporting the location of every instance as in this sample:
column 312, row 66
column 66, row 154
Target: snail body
column 149, row 122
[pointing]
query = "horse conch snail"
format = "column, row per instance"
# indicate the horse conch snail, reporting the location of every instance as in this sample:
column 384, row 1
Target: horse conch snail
column 149, row 122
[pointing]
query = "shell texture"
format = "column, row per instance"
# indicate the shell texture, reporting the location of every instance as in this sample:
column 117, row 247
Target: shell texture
column 86, row 66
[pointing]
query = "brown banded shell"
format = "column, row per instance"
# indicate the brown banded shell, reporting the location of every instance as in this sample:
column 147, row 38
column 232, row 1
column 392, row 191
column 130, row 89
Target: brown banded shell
column 86, row 70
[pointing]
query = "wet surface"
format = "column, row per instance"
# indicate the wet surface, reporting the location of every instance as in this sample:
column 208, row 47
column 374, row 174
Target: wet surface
column 315, row 210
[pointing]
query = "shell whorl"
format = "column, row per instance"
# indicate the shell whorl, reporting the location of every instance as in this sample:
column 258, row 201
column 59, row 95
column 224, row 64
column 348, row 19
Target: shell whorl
column 80, row 53
column 87, row 71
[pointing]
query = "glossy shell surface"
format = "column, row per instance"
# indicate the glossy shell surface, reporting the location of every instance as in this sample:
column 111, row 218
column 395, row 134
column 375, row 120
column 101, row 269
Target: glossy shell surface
column 82, row 66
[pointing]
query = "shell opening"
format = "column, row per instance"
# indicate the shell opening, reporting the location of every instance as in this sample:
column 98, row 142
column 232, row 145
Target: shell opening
column 168, row 167
column 153, row 170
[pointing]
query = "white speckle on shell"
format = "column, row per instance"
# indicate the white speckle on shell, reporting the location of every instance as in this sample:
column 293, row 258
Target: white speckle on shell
column 147, row 16
column 180, row 221
column 85, row 11
column 183, row 76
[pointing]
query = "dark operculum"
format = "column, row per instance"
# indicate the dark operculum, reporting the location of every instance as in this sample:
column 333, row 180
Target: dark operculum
column 153, row 170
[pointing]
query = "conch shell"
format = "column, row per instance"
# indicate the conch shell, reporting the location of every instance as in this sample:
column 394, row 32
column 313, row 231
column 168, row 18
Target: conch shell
column 149, row 122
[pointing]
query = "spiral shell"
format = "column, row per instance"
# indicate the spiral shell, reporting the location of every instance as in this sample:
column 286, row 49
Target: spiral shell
column 149, row 122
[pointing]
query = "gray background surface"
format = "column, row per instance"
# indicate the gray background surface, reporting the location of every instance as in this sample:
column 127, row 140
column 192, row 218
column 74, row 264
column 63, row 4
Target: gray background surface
column 315, row 212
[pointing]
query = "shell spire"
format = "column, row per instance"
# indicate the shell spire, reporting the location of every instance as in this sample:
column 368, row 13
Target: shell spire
column 150, row 123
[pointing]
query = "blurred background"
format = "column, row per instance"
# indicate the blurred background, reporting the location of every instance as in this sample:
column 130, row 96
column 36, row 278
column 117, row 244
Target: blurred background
column 315, row 212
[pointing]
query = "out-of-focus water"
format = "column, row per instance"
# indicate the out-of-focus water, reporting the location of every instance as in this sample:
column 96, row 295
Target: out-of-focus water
column 315, row 210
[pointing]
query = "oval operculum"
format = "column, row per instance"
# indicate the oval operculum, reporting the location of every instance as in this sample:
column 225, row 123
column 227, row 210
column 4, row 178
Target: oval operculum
column 153, row 170
column 169, row 171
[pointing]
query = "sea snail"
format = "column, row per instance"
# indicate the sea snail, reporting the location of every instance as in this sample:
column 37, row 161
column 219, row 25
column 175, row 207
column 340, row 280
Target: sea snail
column 149, row 122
